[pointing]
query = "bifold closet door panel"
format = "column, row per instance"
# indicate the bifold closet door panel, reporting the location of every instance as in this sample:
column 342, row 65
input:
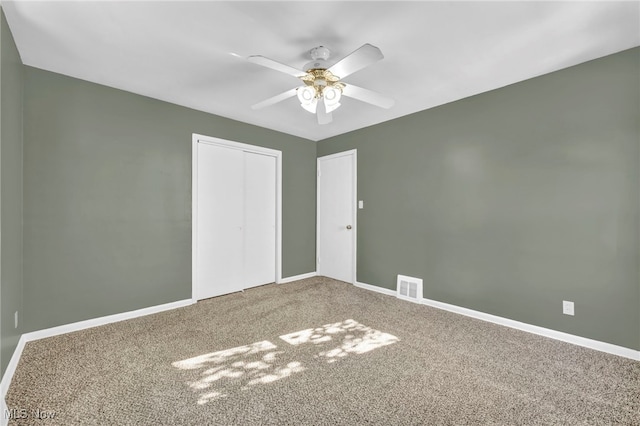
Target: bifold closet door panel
column 259, row 219
column 220, row 220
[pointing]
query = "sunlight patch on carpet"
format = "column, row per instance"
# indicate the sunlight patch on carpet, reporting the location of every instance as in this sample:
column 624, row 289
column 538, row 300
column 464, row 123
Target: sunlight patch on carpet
column 242, row 366
column 260, row 363
column 225, row 356
column 356, row 338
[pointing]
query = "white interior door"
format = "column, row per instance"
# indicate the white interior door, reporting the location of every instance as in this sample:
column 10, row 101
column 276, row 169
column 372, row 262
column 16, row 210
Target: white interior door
column 259, row 219
column 336, row 216
column 220, row 219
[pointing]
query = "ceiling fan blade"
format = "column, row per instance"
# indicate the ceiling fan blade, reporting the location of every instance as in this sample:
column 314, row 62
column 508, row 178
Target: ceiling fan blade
column 275, row 99
column 362, row 57
column 368, row 96
column 324, row 117
column 274, row 65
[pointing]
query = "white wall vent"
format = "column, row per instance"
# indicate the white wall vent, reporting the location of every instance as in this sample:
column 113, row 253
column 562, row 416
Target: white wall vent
column 409, row 288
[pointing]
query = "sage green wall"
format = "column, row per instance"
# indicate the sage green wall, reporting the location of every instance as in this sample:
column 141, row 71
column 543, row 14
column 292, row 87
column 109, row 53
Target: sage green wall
column 107, row 198
column 11, row 74
column 511, row 201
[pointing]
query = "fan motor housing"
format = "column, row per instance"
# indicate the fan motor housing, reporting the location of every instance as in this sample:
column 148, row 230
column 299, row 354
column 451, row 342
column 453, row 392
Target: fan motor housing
column 319, row 56
column 316, row 64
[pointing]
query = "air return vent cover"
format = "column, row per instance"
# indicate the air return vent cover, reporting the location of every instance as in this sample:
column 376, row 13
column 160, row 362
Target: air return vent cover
column 409, row 288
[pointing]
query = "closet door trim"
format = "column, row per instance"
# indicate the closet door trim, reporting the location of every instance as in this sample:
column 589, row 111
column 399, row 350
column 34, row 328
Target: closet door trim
column 194, row 203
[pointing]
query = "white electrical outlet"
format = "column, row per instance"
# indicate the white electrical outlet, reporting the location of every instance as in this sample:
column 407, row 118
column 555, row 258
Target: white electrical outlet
column 361, row 204
column 15, row 317
column 567, row 307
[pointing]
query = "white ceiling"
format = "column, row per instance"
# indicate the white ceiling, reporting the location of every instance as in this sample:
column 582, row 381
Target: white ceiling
column 193, row 53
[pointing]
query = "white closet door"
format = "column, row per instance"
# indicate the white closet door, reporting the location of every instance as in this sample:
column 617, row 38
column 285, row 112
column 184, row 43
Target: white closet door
column 220, row 220
column 259, row 219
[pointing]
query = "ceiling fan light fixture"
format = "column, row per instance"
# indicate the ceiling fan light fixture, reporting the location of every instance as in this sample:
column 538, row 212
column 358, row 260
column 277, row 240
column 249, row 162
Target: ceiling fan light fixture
column 331, row 97
column 306, row 94
column 311, row 106
column 307, row 98
column 330, row 108
column 323, row 88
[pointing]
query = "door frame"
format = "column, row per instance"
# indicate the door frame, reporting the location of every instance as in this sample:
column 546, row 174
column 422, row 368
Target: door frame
column 194, row 199
column 354, row 236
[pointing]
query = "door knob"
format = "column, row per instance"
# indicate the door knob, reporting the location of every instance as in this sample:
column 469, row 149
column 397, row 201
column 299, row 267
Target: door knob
column 348, row 226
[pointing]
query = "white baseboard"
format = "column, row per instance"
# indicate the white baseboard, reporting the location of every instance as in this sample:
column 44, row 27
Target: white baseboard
column 81, row 325
column 375, row 288
column 297, row 277
column 3, row 407
column 76, row 326
column 546, row 332
column 11, row 369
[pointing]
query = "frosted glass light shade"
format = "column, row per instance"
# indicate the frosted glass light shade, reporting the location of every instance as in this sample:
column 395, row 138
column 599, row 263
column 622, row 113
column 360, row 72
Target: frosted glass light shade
column 331, row 97
column 307, row 98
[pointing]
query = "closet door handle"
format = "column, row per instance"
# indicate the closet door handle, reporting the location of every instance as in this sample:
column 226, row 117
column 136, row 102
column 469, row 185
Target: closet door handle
column 348, row 226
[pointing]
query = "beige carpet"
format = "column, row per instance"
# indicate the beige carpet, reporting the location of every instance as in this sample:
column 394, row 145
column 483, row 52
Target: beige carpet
column 318, row 351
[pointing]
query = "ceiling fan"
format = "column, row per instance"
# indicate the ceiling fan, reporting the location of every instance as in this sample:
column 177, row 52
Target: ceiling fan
column 322, row 82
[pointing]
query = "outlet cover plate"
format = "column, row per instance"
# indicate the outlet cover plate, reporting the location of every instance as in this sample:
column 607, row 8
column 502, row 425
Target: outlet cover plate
column 567, row 307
